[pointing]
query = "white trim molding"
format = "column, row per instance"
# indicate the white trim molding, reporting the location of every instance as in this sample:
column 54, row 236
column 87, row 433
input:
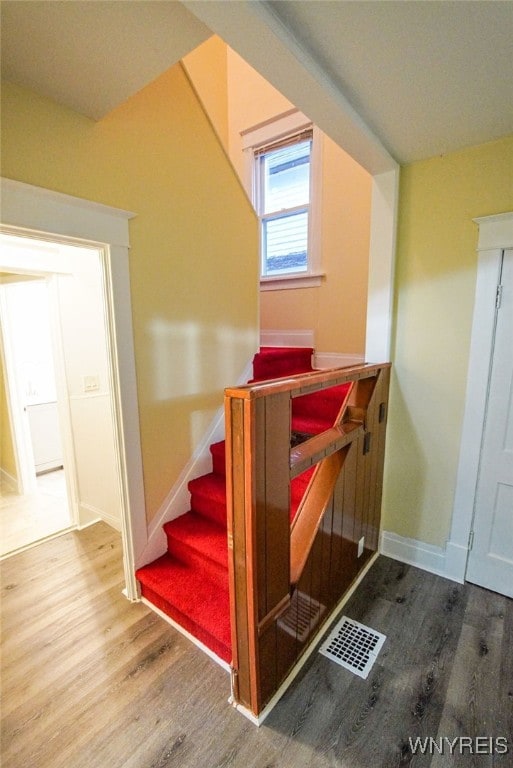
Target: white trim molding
column 495, row 234
column 48, row 215
column 380, row 291
column 258, row 136
column 325, row 360
column 292, row 338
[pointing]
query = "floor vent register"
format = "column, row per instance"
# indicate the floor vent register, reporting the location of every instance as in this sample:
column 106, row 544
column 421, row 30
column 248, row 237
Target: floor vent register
column 353, row 646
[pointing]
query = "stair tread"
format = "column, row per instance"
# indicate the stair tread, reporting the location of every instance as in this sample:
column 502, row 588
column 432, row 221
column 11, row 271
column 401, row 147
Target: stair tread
column 201, row 534
column 192, row 593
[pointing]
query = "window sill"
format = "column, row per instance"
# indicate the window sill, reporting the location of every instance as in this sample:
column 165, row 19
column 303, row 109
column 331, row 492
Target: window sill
column 283, row 282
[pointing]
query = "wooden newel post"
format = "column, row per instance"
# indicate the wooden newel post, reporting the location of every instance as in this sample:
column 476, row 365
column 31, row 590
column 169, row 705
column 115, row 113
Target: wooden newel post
column 258, row 465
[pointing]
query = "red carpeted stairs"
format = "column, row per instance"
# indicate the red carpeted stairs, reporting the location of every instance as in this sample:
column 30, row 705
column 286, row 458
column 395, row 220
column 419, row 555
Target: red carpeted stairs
column 189, row 583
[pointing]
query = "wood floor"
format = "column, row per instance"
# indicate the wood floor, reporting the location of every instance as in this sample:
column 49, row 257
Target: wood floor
column 33, row 516
column 92, row 681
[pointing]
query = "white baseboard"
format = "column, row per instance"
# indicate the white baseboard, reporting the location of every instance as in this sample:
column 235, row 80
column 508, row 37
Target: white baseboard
column 294, row 338
column 89, row 514
column 428, row 557
column 178, row 500
column 336, row 359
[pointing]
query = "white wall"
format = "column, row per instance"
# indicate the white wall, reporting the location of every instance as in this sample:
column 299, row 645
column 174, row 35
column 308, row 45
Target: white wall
column 84, row 384
column 83, row 333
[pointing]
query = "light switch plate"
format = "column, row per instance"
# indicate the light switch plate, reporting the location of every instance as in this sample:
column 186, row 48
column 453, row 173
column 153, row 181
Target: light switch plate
column 91, row 383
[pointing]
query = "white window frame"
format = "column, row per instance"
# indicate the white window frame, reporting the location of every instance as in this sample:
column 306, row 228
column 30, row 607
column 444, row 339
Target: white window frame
column 289, row 124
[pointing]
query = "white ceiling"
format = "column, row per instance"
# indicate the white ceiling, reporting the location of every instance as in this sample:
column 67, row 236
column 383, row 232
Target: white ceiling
column 426, row 77
column 91, row 56
column 414, row 79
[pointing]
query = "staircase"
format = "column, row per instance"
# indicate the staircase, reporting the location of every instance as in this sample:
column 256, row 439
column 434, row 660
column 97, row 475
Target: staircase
column 189, row 583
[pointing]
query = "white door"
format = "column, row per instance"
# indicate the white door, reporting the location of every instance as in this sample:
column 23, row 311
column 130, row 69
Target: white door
column 490, row 562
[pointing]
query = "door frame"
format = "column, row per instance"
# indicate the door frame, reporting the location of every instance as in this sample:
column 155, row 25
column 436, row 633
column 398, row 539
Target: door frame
column 495, row 236
column 31, row 211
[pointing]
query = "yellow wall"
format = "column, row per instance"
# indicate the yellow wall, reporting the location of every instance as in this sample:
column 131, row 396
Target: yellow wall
column 251, row 100
column 207, row 67
column 336, row 310
column 435, row 284
column 7, row 460
column 193, row 239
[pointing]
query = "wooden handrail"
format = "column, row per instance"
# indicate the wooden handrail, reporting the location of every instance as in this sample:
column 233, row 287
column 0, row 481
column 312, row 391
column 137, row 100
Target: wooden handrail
column 322, row 445
column 306, row 383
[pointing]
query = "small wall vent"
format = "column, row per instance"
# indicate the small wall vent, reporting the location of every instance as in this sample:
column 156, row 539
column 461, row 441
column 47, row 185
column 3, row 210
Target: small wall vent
column 302, row 616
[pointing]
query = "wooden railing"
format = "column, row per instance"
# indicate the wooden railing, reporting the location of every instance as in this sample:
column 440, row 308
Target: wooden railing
column 286, row 579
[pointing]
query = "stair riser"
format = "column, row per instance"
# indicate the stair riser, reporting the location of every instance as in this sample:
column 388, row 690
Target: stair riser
column 218, row 463
column 211, row 508
column 196, row 559
column 188, row 624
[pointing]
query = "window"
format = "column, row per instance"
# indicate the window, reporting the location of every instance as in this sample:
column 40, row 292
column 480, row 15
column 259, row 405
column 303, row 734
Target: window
column 283, row 166
column 282, row 185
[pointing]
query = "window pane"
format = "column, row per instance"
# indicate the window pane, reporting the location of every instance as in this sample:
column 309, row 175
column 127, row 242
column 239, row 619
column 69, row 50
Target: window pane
column 285, row 241
column 286, row 177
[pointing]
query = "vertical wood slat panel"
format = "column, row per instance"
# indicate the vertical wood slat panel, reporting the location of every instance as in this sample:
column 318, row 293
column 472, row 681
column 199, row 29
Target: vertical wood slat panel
column 345, row 569
column 326, row 533
column 367, row 461
column 260, row 509
column 359, row 495
column 250, row 510
column 268, row 657
column 304, row 588
column 372, row 533
column 237, row 547
column 373, row 462
column 337, row 533
column 315, row 582
column 382, row 428
column 277, row 501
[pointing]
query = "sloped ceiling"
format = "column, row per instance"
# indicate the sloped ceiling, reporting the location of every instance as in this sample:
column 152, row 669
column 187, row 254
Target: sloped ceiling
column 92, row 56
column 390, row 81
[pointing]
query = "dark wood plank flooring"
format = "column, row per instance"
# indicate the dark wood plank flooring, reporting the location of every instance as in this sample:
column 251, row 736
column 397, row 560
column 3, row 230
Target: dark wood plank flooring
column 92, row 681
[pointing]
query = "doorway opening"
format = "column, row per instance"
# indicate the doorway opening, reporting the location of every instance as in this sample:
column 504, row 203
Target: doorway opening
column 52, row 217
column 59, row 392
column 38, row 508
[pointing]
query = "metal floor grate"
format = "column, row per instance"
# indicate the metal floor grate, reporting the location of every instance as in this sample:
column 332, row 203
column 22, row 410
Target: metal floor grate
column 353, row 646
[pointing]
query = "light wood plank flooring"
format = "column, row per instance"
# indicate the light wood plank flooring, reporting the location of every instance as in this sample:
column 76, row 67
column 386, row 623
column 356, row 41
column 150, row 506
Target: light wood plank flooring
column 34, row 516
column 92, row 681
